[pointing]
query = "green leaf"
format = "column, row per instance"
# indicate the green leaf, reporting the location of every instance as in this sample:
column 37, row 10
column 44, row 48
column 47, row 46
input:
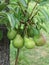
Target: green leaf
column 23, row 2
column 3, row 14
column 40, row 17
column 3, row 18
column 43, row 11
column 17, row 23
column 44, row 2
column 43, row 27
column 11, row 19
column 2, row 6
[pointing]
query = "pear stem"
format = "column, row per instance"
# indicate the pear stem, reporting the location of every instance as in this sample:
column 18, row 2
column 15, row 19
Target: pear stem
column 17, row 55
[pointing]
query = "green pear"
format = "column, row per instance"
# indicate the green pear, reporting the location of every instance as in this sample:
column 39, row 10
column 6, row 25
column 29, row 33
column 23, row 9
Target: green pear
column 18, row 41
column 40, row 41
column 29, row 43
column 11, row 34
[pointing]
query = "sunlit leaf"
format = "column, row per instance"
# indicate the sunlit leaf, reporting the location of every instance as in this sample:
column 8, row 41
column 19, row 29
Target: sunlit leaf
column 23, row 2
column 45, row 14
column 11, row 19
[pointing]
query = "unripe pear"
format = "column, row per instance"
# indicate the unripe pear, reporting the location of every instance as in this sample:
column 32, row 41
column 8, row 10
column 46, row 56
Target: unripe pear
column 11, row 34
column 18, row 41
column 40, row 41
column 29, row 43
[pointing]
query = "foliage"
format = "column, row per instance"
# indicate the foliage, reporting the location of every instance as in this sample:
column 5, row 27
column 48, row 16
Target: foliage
column 30, row 12
column 28, row 18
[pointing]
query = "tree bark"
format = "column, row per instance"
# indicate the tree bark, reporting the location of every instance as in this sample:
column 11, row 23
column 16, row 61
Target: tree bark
column 4, row 47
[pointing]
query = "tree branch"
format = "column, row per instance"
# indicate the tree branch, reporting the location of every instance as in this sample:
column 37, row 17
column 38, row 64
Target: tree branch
column 16, row 61
column 33, row 9
column 34, row 14
column 29, row 20
column 21, row 8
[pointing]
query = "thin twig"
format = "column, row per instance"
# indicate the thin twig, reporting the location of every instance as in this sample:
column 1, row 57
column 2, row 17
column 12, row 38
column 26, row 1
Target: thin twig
column 16, row 61
column 29, row 20
column 25, row 23
column 33, row 10
column 21, row 8
column 22, row 22
column 34, row 14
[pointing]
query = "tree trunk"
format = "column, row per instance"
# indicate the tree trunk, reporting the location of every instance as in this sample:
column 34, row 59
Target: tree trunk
column 4, row 47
